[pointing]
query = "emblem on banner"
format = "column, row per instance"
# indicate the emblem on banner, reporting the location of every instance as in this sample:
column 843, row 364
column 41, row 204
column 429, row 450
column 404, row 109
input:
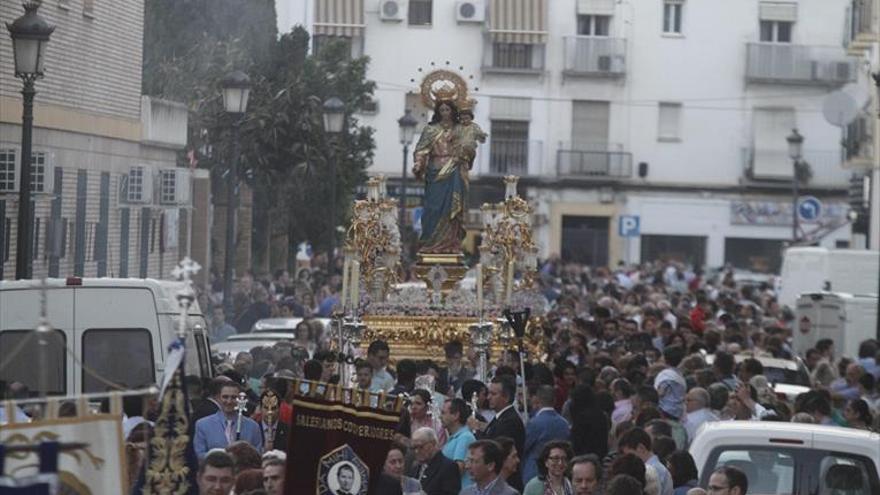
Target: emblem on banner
column 342, row 472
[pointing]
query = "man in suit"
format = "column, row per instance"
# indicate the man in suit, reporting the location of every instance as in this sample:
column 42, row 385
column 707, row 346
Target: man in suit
column 545, row 426
column 484, row 466
column 507, row 422
column 211, row 404
column 219, row 429
column 438, row 474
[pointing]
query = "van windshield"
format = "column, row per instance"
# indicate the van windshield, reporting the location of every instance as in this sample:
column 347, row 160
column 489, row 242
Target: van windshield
column 117, row 357
column 20, row 355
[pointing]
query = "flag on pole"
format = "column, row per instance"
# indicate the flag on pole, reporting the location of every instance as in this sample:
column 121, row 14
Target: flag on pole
column 171, row 465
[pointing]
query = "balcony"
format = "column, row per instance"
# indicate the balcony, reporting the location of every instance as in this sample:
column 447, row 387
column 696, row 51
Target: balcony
column 858, row 142
column 601, row 163
column 514, row 156
column 513, row 58
column 775, row 166
column 860, row 26
column 588, row 56
column 784, row 63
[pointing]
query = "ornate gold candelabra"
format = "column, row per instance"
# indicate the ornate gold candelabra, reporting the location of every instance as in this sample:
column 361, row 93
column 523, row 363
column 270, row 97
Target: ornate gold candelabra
column 373, row 240
column 507, row 242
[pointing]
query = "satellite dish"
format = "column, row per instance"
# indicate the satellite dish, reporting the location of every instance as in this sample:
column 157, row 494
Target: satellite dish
column 840, row 108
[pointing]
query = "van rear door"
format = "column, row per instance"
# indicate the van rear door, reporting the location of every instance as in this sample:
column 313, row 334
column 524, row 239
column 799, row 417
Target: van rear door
column 19, row 350
column 117, row 334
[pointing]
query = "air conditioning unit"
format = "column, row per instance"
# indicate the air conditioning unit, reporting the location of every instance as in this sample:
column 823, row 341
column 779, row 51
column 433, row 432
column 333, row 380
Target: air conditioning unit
column 392, row 10
column 470, row 11
column 840, row 71
column 175, row 186
column 136, row 187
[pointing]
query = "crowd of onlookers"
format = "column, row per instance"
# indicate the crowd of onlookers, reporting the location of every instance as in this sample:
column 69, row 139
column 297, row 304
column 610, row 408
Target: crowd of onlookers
column 635, row 360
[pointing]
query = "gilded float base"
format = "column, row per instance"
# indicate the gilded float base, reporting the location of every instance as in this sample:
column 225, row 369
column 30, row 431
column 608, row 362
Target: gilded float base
column 420, row 337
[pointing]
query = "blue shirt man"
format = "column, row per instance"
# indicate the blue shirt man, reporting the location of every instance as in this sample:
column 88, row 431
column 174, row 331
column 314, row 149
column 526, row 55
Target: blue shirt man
column 454, row 417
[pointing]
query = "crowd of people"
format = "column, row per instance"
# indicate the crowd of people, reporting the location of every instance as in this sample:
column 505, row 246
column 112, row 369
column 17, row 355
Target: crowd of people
column 634, row 361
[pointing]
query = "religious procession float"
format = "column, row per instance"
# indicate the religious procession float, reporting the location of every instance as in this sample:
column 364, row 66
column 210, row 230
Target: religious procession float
column 490, row 305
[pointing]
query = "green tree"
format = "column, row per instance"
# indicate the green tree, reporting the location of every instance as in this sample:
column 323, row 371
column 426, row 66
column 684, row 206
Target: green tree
column 191, row 44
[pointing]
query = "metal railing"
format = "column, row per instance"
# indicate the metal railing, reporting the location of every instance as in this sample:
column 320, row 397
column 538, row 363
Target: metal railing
column 860, row 21
column 593, row 163
column 513, row 57
column 595, row 56
column 786, row 63
column 775, row 165
column 514, row 156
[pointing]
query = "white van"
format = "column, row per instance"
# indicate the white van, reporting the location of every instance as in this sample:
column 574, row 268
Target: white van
column 106, row 331
column 791, row 458
column 847, row 319
column 815, row 269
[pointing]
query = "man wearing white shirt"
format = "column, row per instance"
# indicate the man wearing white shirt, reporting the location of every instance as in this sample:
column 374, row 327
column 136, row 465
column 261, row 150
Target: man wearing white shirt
column 377, row 356
column 698, row 412
column 622, row 391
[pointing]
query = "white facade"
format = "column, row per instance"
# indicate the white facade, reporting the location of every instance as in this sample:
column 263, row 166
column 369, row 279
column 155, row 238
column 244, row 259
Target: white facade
column 707, row 108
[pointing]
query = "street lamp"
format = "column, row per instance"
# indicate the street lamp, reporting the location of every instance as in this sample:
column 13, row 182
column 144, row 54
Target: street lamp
column 795, row 152
column 30, row 35
column 407, row 125
column 334, row 121
column 236, row 88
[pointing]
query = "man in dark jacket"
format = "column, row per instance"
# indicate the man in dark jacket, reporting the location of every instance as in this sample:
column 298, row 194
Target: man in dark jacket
column 507, row 422
column 437, row 474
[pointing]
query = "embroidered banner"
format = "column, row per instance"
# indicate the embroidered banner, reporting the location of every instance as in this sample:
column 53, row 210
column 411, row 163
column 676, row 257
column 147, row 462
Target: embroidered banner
column 95, row 469
column 337, row 448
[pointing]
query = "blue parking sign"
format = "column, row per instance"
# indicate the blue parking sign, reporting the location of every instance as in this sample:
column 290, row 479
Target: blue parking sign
column 628, row 226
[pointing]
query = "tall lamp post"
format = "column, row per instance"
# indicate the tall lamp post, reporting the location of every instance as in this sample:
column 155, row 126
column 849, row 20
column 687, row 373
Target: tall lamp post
column 236, row 91
column 407, row 125
column 795, row 152
column 30, row 35
column 334, row 121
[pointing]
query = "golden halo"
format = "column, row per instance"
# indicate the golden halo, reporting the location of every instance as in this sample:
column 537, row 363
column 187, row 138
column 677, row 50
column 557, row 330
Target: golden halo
column 444, row 85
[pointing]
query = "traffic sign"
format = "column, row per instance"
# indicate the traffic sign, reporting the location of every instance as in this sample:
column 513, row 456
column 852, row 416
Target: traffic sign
column 628, row 226
column 809, row 208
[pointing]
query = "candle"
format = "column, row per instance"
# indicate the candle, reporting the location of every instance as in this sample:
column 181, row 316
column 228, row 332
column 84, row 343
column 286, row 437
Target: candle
column 342, row 297
column 509, row 287
column 480, row 289
column 355, row 285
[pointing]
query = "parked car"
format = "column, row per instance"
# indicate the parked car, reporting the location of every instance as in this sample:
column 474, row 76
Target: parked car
column 244, row 342
column 788, row 377
column 791, row 458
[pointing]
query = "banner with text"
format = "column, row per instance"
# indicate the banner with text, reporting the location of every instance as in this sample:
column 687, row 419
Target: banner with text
column 337, row 448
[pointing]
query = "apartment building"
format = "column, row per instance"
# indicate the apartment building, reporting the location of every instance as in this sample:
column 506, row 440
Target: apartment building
column 109, row 199
column 642, row 129
column 861, row 139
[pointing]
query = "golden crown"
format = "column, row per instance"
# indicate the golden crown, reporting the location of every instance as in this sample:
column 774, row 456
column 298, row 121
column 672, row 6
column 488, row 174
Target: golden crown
column 445, row 92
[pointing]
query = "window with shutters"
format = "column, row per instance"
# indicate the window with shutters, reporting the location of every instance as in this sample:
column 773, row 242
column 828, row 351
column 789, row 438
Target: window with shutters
column 320, row 42
column 770, row 158
column 509, row 147
column 669, row 123
column 168, row 186
column 672, row 15
column 38, row 171
column 420, row 12
column 589, row 125
column 7, row 170
column 776, row 31
column 512, row 56
column 593, row 25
